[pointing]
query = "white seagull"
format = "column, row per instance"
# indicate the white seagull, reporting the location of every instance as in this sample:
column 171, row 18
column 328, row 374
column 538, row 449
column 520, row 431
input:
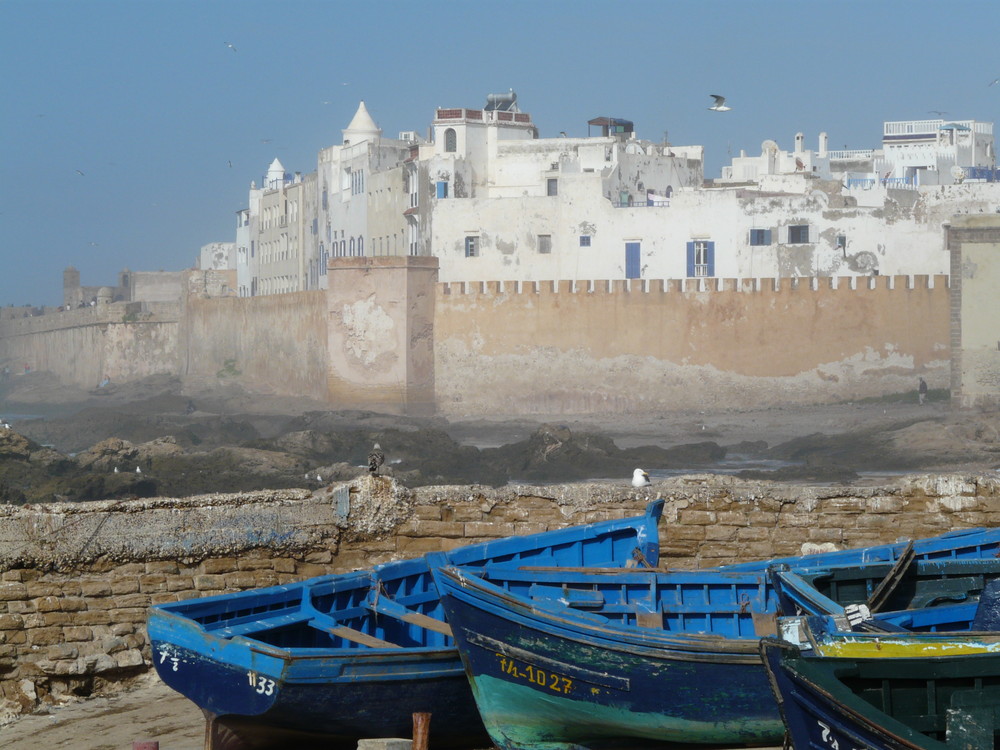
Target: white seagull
column 640, row 478
column 720, row 103
column 138, row 470
column 231, row 46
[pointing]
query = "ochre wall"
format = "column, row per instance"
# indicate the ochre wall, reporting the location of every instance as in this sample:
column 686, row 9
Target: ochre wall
column 726, row 343
column 272, row 344
column 387, row 336
column 123, row 341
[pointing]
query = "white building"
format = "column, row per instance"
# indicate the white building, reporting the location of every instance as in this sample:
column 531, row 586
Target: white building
column 244, row 277
column 361, row 196
column 493, row 201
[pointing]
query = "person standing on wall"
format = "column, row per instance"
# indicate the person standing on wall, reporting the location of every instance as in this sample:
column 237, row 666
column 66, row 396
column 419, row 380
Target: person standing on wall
column 922, row 391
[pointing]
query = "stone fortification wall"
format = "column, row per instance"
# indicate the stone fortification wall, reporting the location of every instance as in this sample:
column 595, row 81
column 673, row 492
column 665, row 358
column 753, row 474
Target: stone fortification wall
column 272, row 344
column 121, row 340
column 583, row 347
column 76, row 579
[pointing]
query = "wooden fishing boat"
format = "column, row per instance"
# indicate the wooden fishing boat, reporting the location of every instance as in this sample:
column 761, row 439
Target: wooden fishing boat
column 561, row 659
column 970, row 627
column 907, row 584
column 910, row 701
column 337, row 658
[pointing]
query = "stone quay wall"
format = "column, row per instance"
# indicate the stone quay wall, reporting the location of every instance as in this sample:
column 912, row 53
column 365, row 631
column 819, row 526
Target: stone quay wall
column 76, row 580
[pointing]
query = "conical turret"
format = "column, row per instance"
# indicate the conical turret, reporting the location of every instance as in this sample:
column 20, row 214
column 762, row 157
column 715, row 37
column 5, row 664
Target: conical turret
column 362, row 127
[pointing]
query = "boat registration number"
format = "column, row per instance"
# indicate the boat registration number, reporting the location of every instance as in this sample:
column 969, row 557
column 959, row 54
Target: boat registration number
column 530, row 673
column 260, row 684
column 826, row 735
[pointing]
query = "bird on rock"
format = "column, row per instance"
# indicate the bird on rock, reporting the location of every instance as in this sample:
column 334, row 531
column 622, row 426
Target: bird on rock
column 640, row 478
column 375, row 459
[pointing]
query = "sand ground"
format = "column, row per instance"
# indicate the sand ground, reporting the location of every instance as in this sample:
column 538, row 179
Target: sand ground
column 150, row 711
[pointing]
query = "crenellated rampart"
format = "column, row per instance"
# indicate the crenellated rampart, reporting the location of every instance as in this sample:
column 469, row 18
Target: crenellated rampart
column 121, row 341
column 576, row 347
column 387, row 335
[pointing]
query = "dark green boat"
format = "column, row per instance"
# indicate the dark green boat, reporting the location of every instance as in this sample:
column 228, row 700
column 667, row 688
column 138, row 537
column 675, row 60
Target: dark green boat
column 918, row 703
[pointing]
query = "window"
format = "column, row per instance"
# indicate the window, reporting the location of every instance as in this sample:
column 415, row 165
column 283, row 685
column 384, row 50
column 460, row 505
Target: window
column 842, row 243
column 544, row 243
column 442, row 189
column 760, row 237
column 584, row 240
column 552, row 186
column 450, row 141
column 633, row 270
column 798, row 234
column 471, row 246
column 700, row 258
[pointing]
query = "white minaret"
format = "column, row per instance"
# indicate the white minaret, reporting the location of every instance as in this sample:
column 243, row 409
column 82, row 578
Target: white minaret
column 362, row 127
column 275, row 175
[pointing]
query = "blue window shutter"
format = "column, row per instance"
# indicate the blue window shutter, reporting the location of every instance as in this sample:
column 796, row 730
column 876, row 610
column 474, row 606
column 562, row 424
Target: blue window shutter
column 632, row 258
column 710, row 258
column 442, row 189
column 690, row 249
column 767, row 236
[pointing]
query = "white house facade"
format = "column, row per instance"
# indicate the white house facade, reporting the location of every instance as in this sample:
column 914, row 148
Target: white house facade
column 493, row 201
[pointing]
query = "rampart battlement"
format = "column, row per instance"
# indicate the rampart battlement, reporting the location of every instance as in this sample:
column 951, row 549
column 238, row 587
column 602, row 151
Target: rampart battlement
column 697, row 286
column 55, row 319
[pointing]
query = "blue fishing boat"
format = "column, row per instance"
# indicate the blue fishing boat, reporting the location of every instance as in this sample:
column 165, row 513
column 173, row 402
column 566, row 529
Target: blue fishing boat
column 908, row 584
column 561, row 659
column 926, row 691
column 338, row 658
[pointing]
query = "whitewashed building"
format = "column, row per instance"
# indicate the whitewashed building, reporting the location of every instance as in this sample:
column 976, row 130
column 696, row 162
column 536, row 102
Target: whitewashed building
column 493, row 201
column 361, row 195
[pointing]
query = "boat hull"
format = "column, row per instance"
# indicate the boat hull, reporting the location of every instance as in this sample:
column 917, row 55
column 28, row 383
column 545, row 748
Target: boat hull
column 543, row 682
column 820, row 714
column 331, row 660
column 310, row 701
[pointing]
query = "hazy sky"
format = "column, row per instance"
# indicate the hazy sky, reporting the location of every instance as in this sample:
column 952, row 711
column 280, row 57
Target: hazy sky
column 168, row 124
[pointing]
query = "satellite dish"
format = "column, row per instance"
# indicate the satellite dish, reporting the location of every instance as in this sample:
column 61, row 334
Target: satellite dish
column 958, row 173
column 768, row 146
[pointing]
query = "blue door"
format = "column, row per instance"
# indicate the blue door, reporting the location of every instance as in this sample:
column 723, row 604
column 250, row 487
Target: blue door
column 632, row 267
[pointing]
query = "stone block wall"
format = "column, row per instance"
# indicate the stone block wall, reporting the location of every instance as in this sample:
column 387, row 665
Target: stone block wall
column 76, row 580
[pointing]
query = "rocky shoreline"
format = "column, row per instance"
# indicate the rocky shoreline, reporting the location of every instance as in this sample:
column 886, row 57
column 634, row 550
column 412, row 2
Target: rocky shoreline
column 153, row 439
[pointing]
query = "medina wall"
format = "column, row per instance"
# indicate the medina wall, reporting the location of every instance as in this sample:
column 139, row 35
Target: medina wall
column 556, row 347
column 122, row 341
column 974, row 242
column 270, row 344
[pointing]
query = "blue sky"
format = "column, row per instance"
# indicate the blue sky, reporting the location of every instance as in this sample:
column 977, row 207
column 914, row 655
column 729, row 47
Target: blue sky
column 146, row 99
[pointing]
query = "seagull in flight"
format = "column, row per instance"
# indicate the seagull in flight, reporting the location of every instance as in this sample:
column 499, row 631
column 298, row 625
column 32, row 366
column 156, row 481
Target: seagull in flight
column 720, row 103
column 994, row 81
column 937, row 112
column 80, row 173
column 231, row 46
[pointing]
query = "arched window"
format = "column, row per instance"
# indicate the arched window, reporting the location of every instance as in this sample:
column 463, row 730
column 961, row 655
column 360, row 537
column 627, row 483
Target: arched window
column 352, row 246
column 450, row 141
column 361, row 245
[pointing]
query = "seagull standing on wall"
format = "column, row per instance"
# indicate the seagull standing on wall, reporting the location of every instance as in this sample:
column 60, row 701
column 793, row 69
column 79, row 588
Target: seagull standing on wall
column 640, row 478
column 720, row 104
column 375, row 459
